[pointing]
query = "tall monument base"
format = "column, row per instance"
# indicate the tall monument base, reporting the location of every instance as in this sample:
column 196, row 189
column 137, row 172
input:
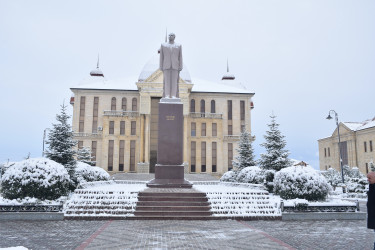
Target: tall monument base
column 169, row 170
column 169, row 176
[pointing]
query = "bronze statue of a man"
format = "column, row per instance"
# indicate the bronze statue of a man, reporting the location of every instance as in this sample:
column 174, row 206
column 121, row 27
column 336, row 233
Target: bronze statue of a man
column 171, row 65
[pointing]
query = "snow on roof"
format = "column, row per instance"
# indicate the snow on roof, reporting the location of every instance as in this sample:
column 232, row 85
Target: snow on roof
column 352, row 125
column 225, row 86
column 153, row 65
column 99, row 82
column 356, row 126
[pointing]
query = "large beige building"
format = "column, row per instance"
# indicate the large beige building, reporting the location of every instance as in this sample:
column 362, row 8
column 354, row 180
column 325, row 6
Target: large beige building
column 357, row 146
column 118, row 120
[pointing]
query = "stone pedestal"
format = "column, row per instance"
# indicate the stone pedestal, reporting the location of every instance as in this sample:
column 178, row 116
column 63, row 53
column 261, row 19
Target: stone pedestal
column 169, row 170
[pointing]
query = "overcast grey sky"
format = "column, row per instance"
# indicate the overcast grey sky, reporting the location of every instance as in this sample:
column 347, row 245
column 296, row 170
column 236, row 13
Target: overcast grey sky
column 301, row 58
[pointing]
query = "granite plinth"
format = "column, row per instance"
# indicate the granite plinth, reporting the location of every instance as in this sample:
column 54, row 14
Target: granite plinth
column 169, row 170
column 170, row 134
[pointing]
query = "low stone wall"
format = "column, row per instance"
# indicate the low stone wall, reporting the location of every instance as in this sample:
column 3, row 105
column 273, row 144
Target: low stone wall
column 324, row 216
column 31, row 216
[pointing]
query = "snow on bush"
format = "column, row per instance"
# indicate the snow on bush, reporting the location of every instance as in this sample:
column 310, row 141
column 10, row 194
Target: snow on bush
column 301, row 182
column 229, row 176
column 355, row 181
column 251, row 174
column 332, row 176
column 40, row 178
column 85, row 172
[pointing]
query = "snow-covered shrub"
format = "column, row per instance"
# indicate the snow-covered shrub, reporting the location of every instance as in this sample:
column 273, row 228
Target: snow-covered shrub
column 40, row 178
column 251, row 174
column 333, row 176
column 352, row 172
column 229, row 176
column 85, row 172
column 301, row 182
column 357, row 185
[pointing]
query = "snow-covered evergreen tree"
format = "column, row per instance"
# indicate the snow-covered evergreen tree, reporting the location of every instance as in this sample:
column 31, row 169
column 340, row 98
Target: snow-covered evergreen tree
column 276, row 156
column 332, row 176
column 61, row 142
column 84, row 155
column 245, row 151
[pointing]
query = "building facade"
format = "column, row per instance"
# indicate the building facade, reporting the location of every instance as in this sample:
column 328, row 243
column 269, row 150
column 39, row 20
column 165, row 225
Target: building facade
column 357, row 146
column 118, row 120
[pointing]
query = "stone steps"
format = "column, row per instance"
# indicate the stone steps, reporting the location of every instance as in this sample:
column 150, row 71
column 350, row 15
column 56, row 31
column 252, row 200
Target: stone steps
column 172, row 205
column 172, row 208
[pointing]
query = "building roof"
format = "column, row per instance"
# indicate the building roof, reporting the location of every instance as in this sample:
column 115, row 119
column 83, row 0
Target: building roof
column 96, row 81
column 356, row 126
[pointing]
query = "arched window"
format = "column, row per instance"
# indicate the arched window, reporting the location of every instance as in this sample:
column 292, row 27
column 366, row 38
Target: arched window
column 213, row 107
column 134, row 104
column 203, row 106
column 192, row 106
column 113, row 103
column 123, row 104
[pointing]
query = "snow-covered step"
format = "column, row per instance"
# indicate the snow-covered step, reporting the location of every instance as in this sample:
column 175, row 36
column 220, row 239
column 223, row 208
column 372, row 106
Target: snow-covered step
column 104, row 200
column 240, row 201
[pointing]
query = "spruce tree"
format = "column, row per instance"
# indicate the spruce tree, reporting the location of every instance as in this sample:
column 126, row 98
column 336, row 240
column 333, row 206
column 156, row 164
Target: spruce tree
column 276, row 156
column 61, row 143
column 84, row 155
column 245, row 157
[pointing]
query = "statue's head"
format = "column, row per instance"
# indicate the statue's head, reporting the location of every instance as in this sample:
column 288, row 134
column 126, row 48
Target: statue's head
column 171, row 37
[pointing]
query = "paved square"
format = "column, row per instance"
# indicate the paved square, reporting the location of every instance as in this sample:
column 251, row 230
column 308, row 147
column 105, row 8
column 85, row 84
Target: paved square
column 222, row 234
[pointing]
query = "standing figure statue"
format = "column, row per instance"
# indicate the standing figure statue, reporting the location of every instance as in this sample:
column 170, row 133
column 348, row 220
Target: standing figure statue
column 171, row 65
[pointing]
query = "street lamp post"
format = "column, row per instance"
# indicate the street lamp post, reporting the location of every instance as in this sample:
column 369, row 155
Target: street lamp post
column 329, row 117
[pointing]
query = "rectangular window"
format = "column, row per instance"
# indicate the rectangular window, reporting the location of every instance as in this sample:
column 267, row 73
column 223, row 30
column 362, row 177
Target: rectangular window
column 326, row 167
column 133, row 128
column 121, row 156
column 366, row 168
column 229, row 109
column 365, row 146
column 95, row 115
column 230, row 130
column 132, row 155
column 203, row 157
column 325, row 152
column 214, row 129
column 214, row 157
column 80, row 144
column 82, row 114
column 230, row 156
column 242, row 110
column 329, row 152
column 111, row 127
column 93, row 151
column 203, row 129
column 193, row 129
column 193, row 156
column 134, row 104
column 370, row 142
column 122, row 127
column 110, row 154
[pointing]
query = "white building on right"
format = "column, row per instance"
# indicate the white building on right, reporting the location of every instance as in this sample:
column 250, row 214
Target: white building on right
column 357, row 146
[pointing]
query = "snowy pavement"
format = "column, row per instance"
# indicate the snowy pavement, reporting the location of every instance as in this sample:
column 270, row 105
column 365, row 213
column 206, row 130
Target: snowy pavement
column 226, row 234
